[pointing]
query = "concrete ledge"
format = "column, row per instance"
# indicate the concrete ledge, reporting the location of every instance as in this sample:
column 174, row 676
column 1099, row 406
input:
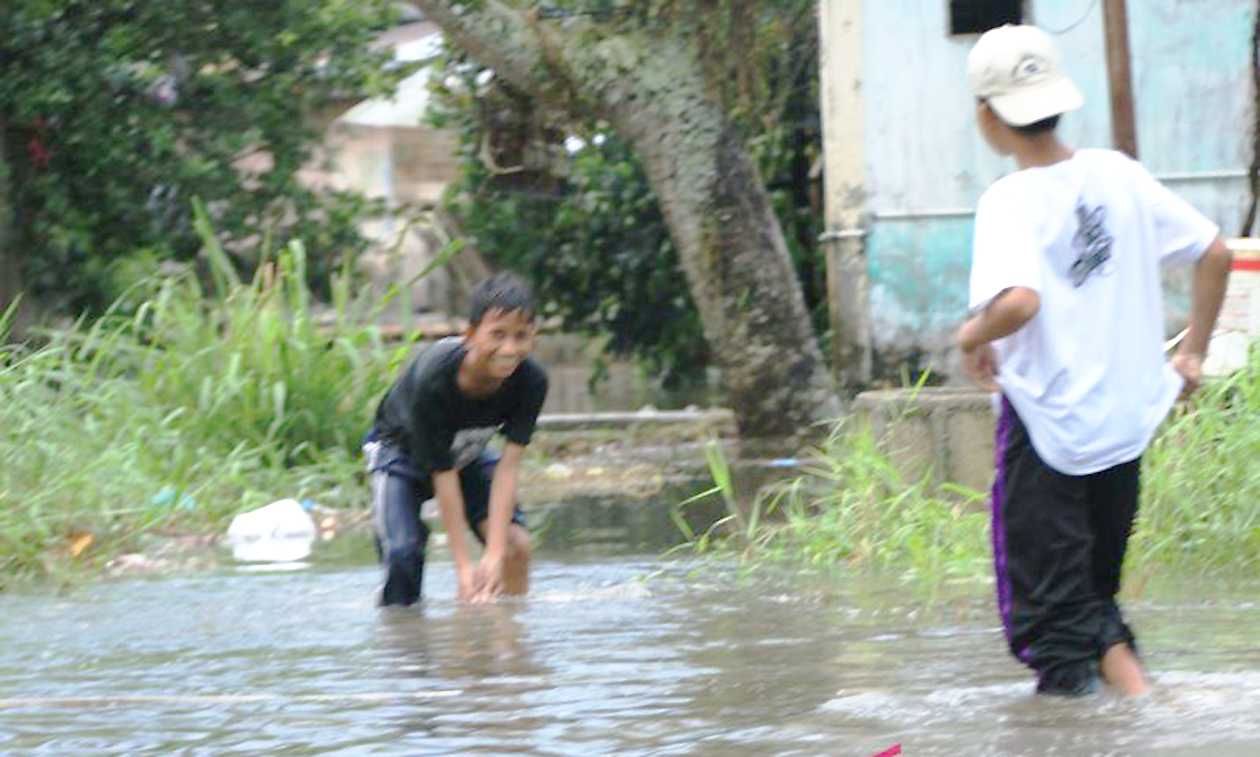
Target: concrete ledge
column 945, row 432
column 718, row 419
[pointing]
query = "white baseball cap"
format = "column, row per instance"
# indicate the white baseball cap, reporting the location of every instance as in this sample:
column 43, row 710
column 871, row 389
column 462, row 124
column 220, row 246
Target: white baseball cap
column 1016, row 70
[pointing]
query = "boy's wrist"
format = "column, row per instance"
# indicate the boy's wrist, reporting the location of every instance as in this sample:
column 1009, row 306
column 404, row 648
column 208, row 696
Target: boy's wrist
column 967, row 337
column 495, row 545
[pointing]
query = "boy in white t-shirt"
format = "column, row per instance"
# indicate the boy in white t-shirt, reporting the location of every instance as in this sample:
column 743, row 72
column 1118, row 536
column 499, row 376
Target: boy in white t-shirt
column 1066, row 323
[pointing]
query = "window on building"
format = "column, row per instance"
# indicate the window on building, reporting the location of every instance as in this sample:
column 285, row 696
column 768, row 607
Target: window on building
column 978, row 16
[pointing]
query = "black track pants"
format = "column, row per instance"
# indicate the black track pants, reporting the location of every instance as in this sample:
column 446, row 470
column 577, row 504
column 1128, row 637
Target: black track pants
column 1058, row 546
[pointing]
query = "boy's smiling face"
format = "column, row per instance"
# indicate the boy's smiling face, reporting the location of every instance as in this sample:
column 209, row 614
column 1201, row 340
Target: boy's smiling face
column 499, row 343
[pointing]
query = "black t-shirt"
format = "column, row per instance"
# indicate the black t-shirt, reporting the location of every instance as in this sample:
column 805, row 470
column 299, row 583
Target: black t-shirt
column 441, row 428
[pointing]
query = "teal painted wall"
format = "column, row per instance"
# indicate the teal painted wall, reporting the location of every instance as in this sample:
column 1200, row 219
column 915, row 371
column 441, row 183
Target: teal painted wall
column 926, row 166
column 921, row 270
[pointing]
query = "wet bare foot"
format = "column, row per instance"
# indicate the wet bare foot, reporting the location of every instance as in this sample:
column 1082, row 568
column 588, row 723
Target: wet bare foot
column 1121, row 669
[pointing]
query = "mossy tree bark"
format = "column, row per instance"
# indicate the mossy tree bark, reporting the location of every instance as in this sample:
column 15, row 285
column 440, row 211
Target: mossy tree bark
column 650, row 86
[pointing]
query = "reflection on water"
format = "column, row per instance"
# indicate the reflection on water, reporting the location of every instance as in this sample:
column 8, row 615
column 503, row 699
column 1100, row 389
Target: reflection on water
column 597, row 661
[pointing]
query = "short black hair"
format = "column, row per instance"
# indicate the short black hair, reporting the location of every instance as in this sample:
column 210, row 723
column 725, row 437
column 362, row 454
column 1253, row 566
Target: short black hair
column 1038, row 127
column 502, row 291
column 1028, row 130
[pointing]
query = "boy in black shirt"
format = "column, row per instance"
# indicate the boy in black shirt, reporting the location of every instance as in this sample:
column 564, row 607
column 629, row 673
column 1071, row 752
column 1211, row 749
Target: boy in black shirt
column 429, row 440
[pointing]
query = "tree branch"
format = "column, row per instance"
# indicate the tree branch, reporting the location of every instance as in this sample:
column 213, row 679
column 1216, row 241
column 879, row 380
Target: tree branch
column 499, row 36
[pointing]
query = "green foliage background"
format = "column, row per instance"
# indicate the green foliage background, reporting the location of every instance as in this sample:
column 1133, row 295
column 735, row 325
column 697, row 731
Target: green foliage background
column 115, row 114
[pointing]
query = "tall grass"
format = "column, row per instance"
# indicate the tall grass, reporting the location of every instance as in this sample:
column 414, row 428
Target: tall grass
column 850, row 506
column 1201, row 482
column 200, row 405
column 250, row 366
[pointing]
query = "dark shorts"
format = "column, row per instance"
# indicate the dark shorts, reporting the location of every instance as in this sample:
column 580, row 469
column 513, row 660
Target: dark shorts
column 474, row 482
column 1058, row 548
column 399, row 492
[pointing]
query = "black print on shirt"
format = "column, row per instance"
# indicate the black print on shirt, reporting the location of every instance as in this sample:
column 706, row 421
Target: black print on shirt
column 1091, row 242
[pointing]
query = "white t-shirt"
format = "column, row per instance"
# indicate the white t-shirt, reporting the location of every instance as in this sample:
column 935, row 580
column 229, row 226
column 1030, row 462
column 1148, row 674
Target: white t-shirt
column 1087, row 374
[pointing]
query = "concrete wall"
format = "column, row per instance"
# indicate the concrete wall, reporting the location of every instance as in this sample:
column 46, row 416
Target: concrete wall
column 943, row 433
column 926, row 166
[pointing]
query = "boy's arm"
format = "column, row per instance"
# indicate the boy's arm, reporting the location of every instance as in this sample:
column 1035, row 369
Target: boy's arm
column 451, row 504
column 1211, row 276
column 502, row 505
column 1003, row 316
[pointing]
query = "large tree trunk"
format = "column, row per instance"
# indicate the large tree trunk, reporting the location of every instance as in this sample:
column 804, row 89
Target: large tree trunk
column 652, row 91
column 733, row 251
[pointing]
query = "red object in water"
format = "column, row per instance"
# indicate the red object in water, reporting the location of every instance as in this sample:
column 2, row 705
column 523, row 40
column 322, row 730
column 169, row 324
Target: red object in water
column 891, row 751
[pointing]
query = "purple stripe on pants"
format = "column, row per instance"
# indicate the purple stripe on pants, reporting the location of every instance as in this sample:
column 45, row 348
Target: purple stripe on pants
column 1006, row 421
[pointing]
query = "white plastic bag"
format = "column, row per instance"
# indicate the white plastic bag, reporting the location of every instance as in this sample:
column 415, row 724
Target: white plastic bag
column 279, row 532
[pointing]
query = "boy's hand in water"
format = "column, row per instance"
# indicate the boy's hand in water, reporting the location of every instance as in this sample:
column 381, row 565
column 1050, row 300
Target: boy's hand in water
column 490, row 577
column 1190, row 366
column 469, row 582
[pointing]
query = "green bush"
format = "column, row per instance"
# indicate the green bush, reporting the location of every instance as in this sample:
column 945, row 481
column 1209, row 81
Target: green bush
column 200, row 405
column 117, row 113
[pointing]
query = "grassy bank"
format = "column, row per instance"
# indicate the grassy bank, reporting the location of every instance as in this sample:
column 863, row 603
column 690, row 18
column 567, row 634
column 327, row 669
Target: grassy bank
column 185, row 410
column 850, row 506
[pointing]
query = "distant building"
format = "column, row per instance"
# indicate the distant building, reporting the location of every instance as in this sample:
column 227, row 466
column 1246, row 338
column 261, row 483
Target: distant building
column 383, row 148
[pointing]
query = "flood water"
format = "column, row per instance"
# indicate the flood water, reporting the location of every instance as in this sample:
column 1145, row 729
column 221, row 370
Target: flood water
column 620, row 655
